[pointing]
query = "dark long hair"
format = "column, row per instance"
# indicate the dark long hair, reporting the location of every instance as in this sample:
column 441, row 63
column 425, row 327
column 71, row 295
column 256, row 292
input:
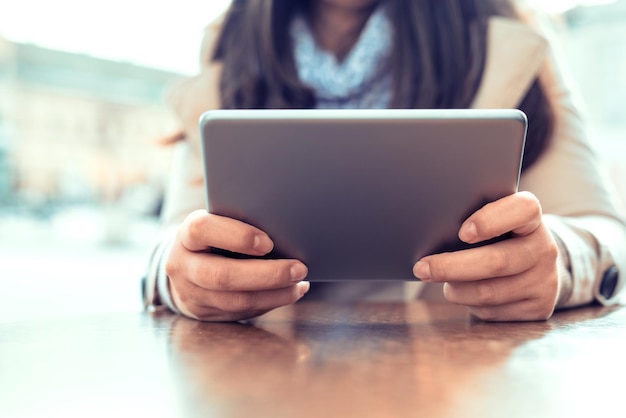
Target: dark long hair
column 438, row 59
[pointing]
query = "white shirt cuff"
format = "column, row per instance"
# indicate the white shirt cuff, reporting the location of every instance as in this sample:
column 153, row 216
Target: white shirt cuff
column 163, row 281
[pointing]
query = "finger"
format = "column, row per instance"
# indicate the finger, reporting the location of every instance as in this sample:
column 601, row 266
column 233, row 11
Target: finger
column 214, row 272
column 504, row 258
column 490, row 292
column 520, row 213
column 202, row 230
column 209, row 305
column 526, row 310
column 258, row 301
column 183, row 295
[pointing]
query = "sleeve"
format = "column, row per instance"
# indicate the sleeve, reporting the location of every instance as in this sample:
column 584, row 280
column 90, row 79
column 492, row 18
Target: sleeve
column 580, row 209
column 156, row 293
column 184, row 192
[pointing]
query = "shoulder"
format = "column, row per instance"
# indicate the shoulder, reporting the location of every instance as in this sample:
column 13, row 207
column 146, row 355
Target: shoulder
column 555, row 73
column 551, row 27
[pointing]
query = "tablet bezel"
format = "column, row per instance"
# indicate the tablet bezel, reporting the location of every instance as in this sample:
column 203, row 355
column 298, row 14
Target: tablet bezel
column 309, row 179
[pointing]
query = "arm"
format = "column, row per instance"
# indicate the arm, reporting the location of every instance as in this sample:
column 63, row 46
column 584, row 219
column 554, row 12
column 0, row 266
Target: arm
column 184, row 275
column 184, row 191
column 569, row 208
column 577, row 199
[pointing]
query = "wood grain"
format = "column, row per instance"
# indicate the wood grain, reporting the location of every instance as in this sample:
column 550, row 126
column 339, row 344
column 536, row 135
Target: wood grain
column 317, row 360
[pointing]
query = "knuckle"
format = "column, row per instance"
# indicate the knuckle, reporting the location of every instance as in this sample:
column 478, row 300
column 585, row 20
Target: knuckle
column 500, row 262
column 221, row 277
column 246, row 238
column 528, row 196
column 482, row 219
column 194, row 270
column 216, row 276
column 441, row 269
column 193, row 226
column 531, row 204
column 172, row 267
column 193, row 230
column 486, row 294
column 279, row 274
column 240, row 302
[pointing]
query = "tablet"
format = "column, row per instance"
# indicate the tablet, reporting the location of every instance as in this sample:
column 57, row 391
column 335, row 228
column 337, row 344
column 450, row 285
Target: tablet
column 359, row 194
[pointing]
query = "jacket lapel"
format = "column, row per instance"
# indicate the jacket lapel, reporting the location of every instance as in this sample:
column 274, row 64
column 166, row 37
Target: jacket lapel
column 515, row 52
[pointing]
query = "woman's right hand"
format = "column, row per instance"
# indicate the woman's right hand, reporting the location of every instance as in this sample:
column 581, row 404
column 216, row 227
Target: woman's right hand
column 210, row 287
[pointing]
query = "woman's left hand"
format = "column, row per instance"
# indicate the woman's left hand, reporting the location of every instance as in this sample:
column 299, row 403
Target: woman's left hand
column 512, row 280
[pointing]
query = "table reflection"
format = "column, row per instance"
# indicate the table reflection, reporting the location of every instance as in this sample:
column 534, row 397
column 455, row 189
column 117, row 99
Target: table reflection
column 316, row 359
column 370, row 359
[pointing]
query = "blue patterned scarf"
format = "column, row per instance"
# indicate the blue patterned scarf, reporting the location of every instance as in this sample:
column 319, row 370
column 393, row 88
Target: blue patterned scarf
column 362, row 80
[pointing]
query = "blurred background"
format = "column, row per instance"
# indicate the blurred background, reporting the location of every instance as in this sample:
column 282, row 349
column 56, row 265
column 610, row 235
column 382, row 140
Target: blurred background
column 83, row 90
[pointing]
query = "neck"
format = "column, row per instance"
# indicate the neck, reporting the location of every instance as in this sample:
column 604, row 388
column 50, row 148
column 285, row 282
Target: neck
column 336, row 27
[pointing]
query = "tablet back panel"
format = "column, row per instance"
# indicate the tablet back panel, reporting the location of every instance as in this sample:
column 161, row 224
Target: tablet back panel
column 359, row 194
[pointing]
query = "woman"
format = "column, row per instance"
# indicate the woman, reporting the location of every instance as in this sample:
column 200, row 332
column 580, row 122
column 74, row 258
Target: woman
column 568, row 240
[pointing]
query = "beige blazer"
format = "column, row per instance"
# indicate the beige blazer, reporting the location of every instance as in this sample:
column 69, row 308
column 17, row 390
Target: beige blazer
column 575, row 198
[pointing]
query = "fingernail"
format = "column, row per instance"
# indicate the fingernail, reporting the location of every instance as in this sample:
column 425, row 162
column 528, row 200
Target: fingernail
column 468, row 233
column 303, row 288
column 422, row 270
column 298, row 272
column 262, row 244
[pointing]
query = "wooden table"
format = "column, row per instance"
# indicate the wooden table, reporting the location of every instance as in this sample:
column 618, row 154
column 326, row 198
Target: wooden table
column 317, row 360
